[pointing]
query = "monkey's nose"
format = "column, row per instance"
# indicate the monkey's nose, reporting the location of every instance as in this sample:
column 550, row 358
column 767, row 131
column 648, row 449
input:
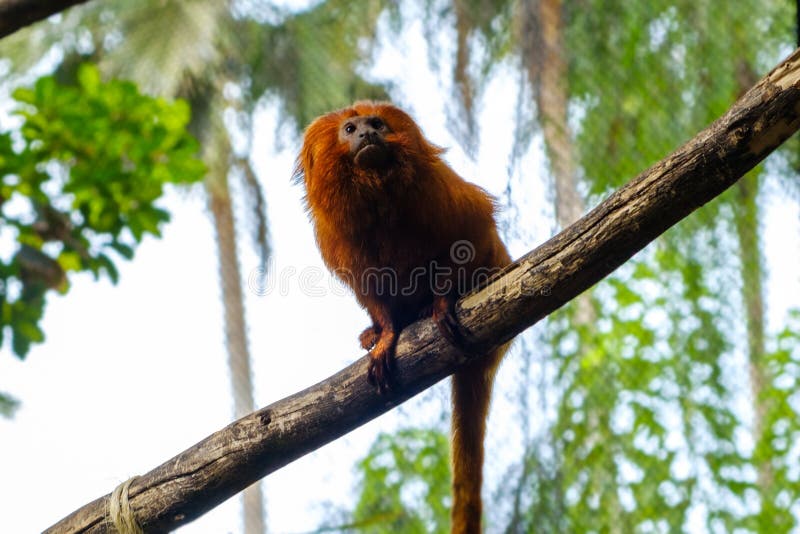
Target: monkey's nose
column 369, row 135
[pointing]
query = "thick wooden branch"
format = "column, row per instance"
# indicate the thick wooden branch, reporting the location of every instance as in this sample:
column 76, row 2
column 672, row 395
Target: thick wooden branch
column 15, row 14
column 226, row 462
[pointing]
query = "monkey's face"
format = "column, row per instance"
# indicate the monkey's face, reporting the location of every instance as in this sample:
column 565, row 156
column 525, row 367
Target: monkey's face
column 364, row 142
column 365, row 137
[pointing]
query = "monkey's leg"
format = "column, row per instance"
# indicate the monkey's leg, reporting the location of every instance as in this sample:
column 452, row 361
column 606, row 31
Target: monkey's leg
column 471, row 393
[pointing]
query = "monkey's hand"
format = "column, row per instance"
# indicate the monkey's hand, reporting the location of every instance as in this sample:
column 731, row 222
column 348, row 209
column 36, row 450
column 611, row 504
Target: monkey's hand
column 380, row 361
column 369, row 337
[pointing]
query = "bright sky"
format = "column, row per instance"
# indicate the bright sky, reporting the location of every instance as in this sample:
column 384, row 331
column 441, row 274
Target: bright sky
column 132, row 374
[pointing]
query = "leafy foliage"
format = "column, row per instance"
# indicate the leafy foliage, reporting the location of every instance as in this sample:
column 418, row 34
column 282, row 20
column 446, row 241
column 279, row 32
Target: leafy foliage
column 777, row 444
column 404, row 485
column 652, row 398
column 310, row 60
column 644, row 76
column 80, row 180
column 637, row 103
column 666, row 432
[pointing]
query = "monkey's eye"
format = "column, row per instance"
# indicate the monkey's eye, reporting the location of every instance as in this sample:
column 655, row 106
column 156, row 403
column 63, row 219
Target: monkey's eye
column 376, row 123
column 349, row 128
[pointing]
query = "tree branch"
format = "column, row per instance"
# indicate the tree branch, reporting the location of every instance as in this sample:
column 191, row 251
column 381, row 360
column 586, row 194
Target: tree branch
column 15, row 14
column 226, row 462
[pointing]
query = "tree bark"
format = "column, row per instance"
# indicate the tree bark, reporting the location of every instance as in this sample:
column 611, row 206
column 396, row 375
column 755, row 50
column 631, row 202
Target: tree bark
column 229, row 460
column 15, row 14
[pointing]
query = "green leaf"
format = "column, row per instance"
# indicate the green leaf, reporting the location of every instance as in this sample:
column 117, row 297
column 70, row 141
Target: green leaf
column 104, row 150
column 8, row 405
column 124, row 250
column 89, row 78
column 70, row 261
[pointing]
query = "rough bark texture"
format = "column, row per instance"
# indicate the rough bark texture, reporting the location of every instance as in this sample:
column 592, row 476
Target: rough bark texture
column 224, row 463
column 15, row 14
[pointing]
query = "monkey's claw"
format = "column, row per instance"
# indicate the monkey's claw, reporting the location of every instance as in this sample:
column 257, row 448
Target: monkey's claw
column 379, row 372
column 444, row 314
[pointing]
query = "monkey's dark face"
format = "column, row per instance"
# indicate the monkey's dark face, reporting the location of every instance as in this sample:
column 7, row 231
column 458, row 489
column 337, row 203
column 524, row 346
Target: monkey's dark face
column 366, row 138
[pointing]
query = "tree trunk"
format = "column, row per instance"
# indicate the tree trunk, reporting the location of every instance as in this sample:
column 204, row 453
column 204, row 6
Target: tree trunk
column 546, row 65
column 747, row 228
column 235, row 333
column 747, row 220
column 545, row 62
column 552, row 100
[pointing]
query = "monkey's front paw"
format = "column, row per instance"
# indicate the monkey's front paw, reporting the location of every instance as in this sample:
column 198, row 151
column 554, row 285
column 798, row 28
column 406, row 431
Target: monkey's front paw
column 444, row 315
column 381, row 359
column 369, row 337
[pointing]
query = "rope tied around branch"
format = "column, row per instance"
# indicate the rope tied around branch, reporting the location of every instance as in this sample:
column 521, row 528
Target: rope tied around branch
column 120, row 512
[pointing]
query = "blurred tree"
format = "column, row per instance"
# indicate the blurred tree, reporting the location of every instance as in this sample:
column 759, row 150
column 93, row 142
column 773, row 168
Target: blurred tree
column 639, row 102
column 223, row 57
column 79, row 178
column 404, row 483
column 649, row 369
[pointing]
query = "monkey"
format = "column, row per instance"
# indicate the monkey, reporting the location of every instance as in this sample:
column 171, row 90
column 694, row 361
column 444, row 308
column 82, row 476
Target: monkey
column 409, row 236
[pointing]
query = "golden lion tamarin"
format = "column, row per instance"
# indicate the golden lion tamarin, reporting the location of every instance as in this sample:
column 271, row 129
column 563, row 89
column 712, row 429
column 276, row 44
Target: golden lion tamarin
column 409, row 236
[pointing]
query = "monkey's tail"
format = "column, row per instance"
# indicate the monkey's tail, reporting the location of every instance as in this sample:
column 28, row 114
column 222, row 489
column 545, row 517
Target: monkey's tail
column 471, row 394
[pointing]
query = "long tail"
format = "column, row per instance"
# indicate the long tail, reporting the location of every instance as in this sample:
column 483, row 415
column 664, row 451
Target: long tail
column 472, row 391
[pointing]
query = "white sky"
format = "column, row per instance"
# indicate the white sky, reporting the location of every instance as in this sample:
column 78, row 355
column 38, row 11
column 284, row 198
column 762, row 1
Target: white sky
column 132, row 374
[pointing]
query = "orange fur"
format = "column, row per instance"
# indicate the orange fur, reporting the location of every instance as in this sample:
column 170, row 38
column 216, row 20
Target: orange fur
column 399, row 212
